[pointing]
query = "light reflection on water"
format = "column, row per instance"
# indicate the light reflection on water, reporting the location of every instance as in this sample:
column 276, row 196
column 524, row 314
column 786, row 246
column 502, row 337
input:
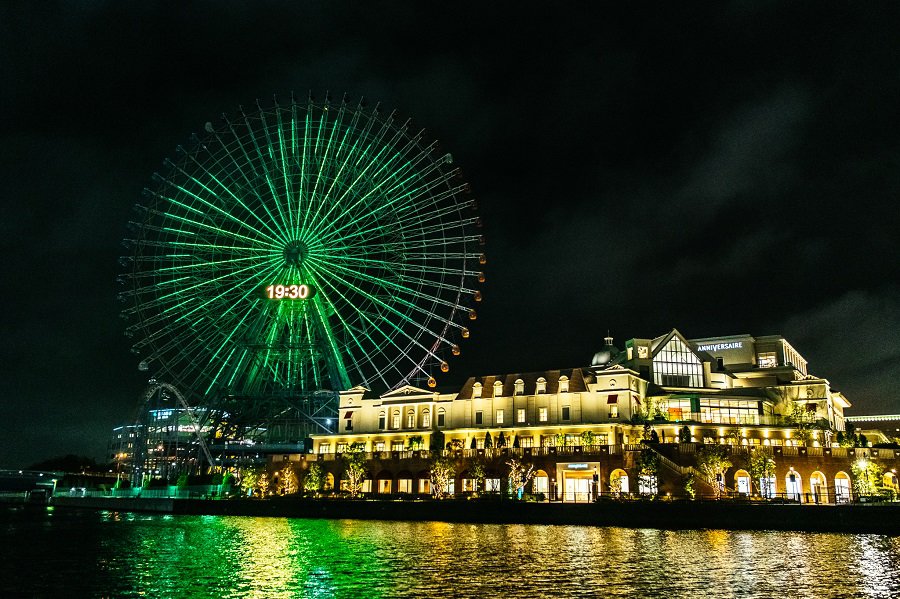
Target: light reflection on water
column 128, row 555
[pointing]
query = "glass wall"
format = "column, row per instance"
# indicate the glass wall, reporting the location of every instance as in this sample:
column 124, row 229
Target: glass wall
column 677, row 366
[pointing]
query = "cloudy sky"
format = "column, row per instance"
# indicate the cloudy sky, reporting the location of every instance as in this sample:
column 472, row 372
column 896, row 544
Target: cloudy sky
column 726, row 169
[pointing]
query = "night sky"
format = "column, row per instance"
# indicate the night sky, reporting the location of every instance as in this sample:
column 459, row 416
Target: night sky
column 726, row 169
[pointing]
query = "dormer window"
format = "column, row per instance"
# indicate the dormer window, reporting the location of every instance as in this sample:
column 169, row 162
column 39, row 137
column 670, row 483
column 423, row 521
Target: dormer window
column 476, row 390
column 498, row 389
column 563, row 384
column 520, row 387
column 541, row 385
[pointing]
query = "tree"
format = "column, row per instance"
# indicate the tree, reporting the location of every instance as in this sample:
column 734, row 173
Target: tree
column 684, row 435
column 802, row 419
column 648, row 470
column 516, row 441
column 436, row 441
column 314, row 479
column 478, row 471
column 867, row 476
column 414, row 443
column 288, row 484
column 762, row 469
column 712, row 461
column 354, row 459
column 501, row 440
column 264, row 484
column 519, row 475
column 560, row 439
column 689, row 485
column 442, row 471
column 588, row 438
column 474, row 443
column 488, row 443
column 654, row 436
column 250, row 479
column 615, row 483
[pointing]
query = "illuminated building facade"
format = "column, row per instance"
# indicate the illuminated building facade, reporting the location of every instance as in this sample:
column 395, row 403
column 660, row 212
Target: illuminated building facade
column 582, row 427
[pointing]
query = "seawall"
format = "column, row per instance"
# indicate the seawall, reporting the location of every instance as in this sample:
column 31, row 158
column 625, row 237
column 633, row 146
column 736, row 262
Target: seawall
column 876, row 519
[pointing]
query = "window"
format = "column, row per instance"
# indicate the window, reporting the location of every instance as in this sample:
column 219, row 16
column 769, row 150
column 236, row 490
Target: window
column 396, row 445
column 349, row 425
column 766, row 359
column 441, row 417
column 613, row 411
column 426, row 419
column 542, row 414
column 341, row 447
column 526, row 441
column 378, row 446
column 520, row 387
column 381, row 421
column 520, row 415
column 565, row 413
column 499, row 419
column 677, row 366
column 498, row 389
column 476, row 390
column 563, row 384
column 492, row 485
column 395, row 420
column 478, row 417
column 324, row 447
column 541, row 385
column 410, row 419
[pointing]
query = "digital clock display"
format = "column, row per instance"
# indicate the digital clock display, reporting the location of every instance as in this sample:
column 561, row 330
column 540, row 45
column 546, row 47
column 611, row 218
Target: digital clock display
column 290, row 292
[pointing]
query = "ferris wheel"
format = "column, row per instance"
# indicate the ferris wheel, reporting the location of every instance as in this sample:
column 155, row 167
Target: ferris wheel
column 299, row 247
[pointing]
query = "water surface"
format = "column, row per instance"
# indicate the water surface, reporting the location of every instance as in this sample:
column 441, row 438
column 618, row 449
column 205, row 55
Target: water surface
column 108, row 554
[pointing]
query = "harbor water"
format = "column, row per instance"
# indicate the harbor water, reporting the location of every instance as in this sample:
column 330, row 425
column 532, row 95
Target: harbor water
column 61, row 552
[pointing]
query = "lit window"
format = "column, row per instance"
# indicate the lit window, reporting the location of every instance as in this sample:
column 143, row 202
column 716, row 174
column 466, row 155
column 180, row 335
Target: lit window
column 520, row 386
column 426, row 419
column 499, row 419
column 520, row 415
column 396, row 445
column 323, row 447
column 498, row 389
column 379, row 446
column 395, row 420
column 675, row 365
column 541, row 385
column 476, row 390
column 478, row 417
column 613, row 411
column 564, row 384
column 341, row 447
column 410, row 419
column 542, row 414
column 565, row 413
column 766, row 359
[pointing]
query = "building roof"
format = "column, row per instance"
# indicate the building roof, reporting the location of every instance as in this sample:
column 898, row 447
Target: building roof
column 578, row 380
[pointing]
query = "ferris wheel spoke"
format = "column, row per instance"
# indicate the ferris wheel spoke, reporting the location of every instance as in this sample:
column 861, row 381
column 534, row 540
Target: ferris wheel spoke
column 347, row 327
column 398, row 330
column 282, row 235
column 223, row 213
column 265, row 168
column 285, row 169
column 405, row 317
column 183, row 220
column 275, row 237
column 433, row 299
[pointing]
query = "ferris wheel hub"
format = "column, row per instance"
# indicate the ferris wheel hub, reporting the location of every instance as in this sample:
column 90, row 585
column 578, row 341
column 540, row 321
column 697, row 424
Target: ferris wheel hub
column 295, row 252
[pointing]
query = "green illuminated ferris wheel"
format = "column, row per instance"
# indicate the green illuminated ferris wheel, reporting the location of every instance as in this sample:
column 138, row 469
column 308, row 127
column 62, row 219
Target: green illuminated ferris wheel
column 301, row 247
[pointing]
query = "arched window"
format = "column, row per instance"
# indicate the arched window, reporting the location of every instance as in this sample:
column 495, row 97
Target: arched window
column 395, row 419
column 441, row 417
column 381, row 420
column 426, row 418
column 498, row 389
column 742, row 482
column 618, row 481
column 410, row 418
column 841, row 487
column 520, row 387
column 541, row 385
column 818, row 487
column 476, row 390
column 563, row 384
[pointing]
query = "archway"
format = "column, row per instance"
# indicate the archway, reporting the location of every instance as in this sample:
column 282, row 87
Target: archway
column 384, row 480
column 329, row 482
column 818, row 487
column 742, row 482
column 618, row 481
column 841, row 487
column 541, row 483
column 793, row 485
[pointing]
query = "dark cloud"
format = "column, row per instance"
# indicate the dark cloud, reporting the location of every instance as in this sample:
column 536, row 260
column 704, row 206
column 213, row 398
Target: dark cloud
column 721, row 169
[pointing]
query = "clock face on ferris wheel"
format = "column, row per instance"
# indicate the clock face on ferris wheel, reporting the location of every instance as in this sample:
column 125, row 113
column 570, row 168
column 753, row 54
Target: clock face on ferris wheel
column 303, row 246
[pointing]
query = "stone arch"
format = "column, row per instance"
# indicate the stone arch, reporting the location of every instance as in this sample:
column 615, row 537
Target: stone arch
column 842, row 486
column 541, row 482
column 742, row 482
column 818, row 487
column 618, row 481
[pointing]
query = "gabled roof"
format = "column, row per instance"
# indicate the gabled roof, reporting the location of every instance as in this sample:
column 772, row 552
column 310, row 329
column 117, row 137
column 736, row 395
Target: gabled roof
column 578, row 380
column 660, row 342
column 406, row 391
